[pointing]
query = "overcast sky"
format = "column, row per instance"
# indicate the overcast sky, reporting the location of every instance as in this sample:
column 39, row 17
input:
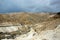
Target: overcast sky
column 29, row 6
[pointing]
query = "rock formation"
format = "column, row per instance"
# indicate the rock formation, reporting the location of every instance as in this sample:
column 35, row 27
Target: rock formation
column 47, row 29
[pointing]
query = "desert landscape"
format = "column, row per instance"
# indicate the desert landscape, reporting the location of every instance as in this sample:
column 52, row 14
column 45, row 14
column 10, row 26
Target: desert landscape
column 30, row 26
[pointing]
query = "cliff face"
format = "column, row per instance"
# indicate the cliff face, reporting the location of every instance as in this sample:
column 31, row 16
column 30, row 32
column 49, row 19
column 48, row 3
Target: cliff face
column 29, row 27
column 44, row 35
column 53, row 34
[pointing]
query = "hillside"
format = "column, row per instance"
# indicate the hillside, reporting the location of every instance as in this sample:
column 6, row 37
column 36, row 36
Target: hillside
column 30, row 26
column 24, row 18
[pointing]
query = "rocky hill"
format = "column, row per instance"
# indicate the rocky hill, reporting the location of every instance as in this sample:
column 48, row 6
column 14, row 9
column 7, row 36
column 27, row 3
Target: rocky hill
column 28, row 26
column 24, row 18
